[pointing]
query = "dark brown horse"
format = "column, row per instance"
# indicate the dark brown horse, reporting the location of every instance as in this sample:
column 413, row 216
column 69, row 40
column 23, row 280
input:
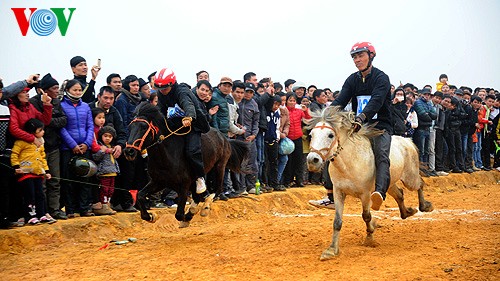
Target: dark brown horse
column 168, row 165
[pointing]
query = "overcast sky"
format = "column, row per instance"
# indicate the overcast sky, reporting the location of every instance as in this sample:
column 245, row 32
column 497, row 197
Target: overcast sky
column 308, row 41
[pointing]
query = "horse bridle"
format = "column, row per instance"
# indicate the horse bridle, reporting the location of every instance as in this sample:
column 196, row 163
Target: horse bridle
column 151, row 128
column 320, row 152
column 155, row 130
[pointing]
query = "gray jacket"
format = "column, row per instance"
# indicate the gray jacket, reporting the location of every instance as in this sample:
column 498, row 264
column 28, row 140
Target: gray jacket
column 249, row 116
column 14, row 89
column 104, row 163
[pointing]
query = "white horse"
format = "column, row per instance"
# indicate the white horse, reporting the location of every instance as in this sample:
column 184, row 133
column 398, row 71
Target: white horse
column 352, row 167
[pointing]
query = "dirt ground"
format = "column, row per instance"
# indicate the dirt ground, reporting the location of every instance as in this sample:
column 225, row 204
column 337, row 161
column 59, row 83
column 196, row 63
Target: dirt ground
column 278, row 237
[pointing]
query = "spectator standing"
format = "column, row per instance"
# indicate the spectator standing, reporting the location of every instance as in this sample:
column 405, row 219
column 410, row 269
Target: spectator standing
column 77, row 137
column 52, row 144
column 80, row 70
column 426, row 114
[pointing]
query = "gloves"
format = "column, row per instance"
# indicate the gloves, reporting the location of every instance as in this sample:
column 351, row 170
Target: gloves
column 358, row 122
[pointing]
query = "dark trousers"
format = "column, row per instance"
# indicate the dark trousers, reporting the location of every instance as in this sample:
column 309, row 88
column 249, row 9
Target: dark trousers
column 132, row 176
column 33, row 198
column 52, row 187
column 10, row 193
column 486, row 150
column 295, row 165
column 271, row 163
column 193, row 151
column 75, row 190
column 381, row 146
column 439, row 151
column 454, row 141
column 326, row 177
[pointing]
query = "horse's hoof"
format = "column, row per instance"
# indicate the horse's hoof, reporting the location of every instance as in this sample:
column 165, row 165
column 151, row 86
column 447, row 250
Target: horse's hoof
column 426, row 207
column 370, row 242
column 409, row 212
column 328, row 254
column 183, row 224
column 204, row 212
column 153, row 218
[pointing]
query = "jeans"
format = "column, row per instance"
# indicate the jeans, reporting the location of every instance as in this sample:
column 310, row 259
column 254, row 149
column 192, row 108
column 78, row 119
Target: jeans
column 439, row 150
column 295, row 165
column 432, row 146
column 476, row 152
column 282, row 160
column 467, row 147
column 34, row 199
column 421, row 139
column 260, row 154
column 453, row 139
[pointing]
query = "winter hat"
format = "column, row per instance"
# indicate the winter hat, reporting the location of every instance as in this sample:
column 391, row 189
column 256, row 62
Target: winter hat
column 129, row 79
column 298, row 85
column 106, row 129
column 47, row 82
column 142, row 83
column 76, row 60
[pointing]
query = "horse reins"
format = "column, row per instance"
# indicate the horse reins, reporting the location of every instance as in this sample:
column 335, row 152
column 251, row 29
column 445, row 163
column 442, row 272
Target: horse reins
column 154, row 129
column 324, row 156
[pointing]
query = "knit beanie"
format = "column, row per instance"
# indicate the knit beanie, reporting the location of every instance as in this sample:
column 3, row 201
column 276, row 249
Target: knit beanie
column 76, row 60
column 47, row 82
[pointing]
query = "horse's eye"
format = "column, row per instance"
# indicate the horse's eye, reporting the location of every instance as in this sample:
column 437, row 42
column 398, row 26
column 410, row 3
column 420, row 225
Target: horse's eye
column 330, row 136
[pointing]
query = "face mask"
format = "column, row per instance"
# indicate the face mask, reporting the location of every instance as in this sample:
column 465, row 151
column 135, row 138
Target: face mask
column 399, row 98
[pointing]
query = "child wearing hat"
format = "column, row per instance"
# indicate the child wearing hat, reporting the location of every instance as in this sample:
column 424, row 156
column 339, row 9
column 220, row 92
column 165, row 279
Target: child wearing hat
column 107, row 169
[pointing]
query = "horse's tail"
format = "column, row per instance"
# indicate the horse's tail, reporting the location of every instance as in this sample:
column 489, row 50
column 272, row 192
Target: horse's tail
column 240, row 151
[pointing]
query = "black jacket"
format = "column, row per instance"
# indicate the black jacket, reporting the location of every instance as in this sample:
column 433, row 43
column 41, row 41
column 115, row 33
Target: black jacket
column 399, row 117
column 468, row 125
column 184, row 98
column 377, row 88
column 315, row 106
column 52, row 137
column 87, row 88
column 114, row 119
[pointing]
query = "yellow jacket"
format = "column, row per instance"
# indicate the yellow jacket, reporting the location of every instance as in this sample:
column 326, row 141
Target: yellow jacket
column 29, row 158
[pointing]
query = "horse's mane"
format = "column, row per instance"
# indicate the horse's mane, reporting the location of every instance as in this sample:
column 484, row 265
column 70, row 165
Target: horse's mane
column 148, row 111
column 343, row 120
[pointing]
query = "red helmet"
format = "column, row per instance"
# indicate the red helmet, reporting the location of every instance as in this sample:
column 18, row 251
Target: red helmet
column 363, row 47
column 164, row 78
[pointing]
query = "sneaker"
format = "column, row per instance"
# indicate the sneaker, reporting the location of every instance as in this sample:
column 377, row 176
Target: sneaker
column 322, row 203
column 476, row 168
column 280, row 188
column 487, row 168
column 47, row 219
column 130, row 209
column 59, row 215
column 33, row 221
column 432, row 173
column 377, row 200
column 470, row 171
column 170, row 203
column 19, row 223
column 222, row 197
column 442, row 173
column 200, row 185
column 72, row 216
column 233, row 195
column 252, row 191
column 117, row 208
column 159, row 205
column 498, row 169
column 456, row 171
column 87, row 214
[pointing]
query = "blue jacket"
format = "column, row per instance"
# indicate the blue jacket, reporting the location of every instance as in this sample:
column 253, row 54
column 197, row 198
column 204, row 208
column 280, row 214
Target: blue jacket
column 425, row 113
column 79, row 127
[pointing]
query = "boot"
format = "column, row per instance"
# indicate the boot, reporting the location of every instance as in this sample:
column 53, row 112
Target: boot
column 107, row 208
column 98, row 209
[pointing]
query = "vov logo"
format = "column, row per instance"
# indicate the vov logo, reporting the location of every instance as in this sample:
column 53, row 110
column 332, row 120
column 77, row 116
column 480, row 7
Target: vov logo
column 43, row 22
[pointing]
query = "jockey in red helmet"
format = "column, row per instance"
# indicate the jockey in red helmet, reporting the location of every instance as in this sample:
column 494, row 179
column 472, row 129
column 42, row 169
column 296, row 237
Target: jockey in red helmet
column 370, row 91
column 177, row 101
